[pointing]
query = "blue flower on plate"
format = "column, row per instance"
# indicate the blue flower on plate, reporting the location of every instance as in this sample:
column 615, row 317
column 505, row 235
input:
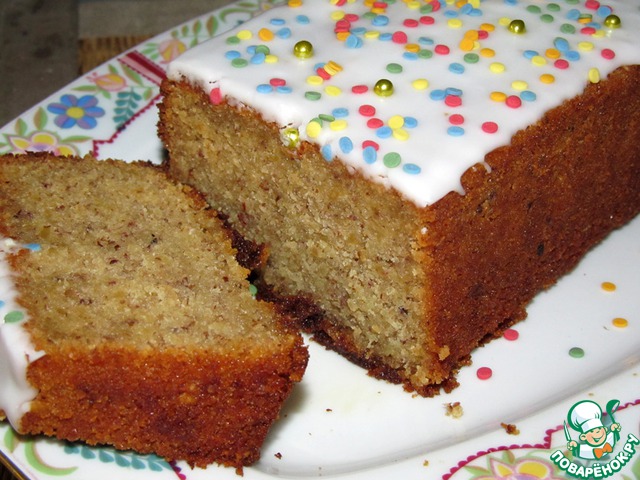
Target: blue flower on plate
column 72, row 111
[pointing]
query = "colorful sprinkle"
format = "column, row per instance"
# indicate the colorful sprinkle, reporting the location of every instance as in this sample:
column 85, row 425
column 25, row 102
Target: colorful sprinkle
column 498, row 96
column 497, row 67
column 265, row 35
column 620, row 322
column 400, row 134
column 340, row 112
column 338, row 125
column 333, row 91
column 215, row 96
column 313, row 129
column 456, row 119
column 384, row 132
column 547, row 78
column 394, row 68
column 608, row 286
column 411, row 169
column 442, row 49
column 511, row 334
column 367, row 110
column 327, row 153
column 346, row 145
column 489, row 127
column 528, row 96
column 369, row 154
column 456, row 68
column 576, row 352
column 392, row 160
column 513, row 101
column 453, row 100
column 455, row 131
column 410, row 122
column 239, row 62
column 14, row 317
column 375, row 123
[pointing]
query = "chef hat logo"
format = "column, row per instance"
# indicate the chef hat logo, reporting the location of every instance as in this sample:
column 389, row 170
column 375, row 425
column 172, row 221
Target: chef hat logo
column 585, row 416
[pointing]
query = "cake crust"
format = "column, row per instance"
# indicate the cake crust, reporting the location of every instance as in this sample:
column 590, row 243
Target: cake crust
column 197, row 406
column 558, row 189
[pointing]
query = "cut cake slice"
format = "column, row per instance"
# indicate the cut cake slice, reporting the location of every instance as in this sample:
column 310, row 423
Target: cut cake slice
column 417, row 183
column 142, row 329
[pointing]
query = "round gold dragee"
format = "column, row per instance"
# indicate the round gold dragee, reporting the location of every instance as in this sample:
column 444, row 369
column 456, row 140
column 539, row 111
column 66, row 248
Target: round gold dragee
column 383, row 88
column 303, row 49
column 517, row 26
column 291, row 137
column 612, row 21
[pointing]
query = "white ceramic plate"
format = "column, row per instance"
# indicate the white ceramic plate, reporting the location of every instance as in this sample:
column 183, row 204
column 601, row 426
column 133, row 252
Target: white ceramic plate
column 339, row 422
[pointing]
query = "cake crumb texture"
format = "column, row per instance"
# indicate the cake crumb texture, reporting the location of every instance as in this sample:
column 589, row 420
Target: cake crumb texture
column 152, row 339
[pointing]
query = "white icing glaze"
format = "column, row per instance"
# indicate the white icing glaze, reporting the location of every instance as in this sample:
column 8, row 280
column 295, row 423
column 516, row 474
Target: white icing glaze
column 16, row 349
column 439, row 157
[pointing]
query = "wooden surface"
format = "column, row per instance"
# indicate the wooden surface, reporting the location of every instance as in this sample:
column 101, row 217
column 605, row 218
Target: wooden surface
column 97, row 50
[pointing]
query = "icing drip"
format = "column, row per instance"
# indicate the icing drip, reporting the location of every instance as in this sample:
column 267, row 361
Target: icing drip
column 413, row 93
column 16, row 349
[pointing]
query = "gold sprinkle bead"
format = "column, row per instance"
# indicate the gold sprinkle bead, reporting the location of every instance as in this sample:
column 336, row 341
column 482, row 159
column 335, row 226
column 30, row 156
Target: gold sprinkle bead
column 612, row 21
column 291, row 137
column 517, row 26
column 383, row 88
column 303, row 49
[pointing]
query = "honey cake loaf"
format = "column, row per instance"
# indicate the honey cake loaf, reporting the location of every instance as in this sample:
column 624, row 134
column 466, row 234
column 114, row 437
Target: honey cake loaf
column 140, row 329
column 417, row 170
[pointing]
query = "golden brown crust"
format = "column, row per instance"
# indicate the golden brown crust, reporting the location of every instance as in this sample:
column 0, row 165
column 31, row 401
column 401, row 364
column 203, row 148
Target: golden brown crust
column 556, row 191
column 193, row 406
